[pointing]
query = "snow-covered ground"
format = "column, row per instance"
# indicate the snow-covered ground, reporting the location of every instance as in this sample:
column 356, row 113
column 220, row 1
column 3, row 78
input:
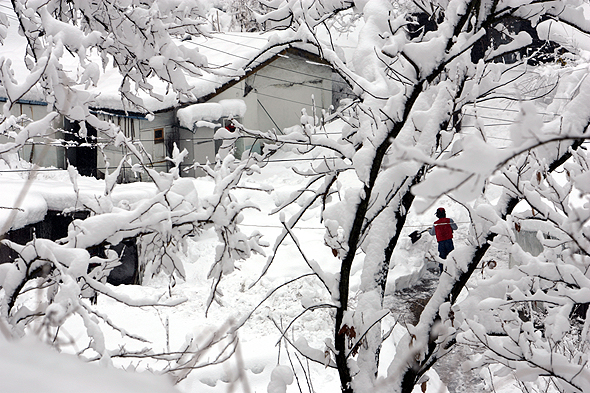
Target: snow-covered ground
column 258, row 349
column 259, row 336
column 260, row 345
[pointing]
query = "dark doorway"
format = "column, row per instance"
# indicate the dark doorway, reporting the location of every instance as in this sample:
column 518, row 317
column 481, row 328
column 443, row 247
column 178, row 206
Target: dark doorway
column 83, row 155
column 55, row 226
column 127, row 272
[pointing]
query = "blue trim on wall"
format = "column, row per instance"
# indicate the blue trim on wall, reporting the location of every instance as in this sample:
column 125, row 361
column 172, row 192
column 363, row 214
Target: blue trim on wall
column 27, row 102
column 115, row 113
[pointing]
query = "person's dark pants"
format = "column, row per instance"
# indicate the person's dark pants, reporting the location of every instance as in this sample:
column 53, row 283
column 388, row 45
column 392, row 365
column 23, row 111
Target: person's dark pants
column 444, row 248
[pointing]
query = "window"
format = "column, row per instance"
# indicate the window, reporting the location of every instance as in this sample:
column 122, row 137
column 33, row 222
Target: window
column 159, row 135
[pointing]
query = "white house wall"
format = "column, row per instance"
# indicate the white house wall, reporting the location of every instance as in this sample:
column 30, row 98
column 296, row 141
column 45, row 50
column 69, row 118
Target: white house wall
column 38, row 150
column 200, row 146
column 204, row 145
column 140, row 131
column 282, row 88
column 286, row 86
column 157, row 150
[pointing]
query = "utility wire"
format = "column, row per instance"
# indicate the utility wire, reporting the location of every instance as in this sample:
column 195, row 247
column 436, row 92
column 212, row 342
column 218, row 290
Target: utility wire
column 100, row 140
column 488, row 125
column 9, row 15
column 281, row 227
column 485, row 117
column 233, row 34
column 509, row 110
column 271, row 78
column 270, row 65
column 163, row 162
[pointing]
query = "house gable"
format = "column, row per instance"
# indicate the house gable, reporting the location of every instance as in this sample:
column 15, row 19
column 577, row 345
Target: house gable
column 275, row 92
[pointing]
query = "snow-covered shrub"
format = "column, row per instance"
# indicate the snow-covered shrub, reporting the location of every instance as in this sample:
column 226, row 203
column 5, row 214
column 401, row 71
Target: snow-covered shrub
column 69, row 45
column 46, row 287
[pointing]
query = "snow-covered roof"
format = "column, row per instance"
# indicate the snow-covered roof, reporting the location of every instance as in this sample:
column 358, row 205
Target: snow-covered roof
column 52, row 189
column 228, row 55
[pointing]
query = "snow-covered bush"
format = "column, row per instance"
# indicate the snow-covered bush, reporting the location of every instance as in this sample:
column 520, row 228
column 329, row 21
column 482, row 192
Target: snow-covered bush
column 49, row 281
column 68, row 42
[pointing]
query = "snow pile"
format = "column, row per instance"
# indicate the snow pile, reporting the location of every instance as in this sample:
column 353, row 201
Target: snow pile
column 210, row 111
column 280, row 377
column 28, row 366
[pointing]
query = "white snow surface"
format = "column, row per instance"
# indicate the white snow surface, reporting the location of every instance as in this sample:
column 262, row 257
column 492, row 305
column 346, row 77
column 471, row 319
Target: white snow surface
column 210, row 111
column 28, row 366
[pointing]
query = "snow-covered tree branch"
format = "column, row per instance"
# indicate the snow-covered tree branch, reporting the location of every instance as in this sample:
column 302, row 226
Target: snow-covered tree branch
column 405, row 145
column 418, row 72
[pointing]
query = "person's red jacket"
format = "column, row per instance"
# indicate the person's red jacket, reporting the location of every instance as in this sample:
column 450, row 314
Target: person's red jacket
column 443, row 228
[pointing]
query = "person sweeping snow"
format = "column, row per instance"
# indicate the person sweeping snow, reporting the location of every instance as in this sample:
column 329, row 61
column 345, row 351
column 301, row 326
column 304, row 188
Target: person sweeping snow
column 443, row 229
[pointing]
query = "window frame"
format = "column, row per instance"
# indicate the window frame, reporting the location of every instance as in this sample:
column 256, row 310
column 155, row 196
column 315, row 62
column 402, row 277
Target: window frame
column 159, row 139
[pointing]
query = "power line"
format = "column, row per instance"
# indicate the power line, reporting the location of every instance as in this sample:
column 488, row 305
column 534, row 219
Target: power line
column 271, row 96
column 270, row 65
column 281, row 227
column 31, row 170
column 11, row 14
column 162, row 162
column 229, row 33
column 488, row 125
column 257, row 92
column 274, row 97
column 511, row 110
column 275, row 78
column 99, row 140
column 485, row 117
